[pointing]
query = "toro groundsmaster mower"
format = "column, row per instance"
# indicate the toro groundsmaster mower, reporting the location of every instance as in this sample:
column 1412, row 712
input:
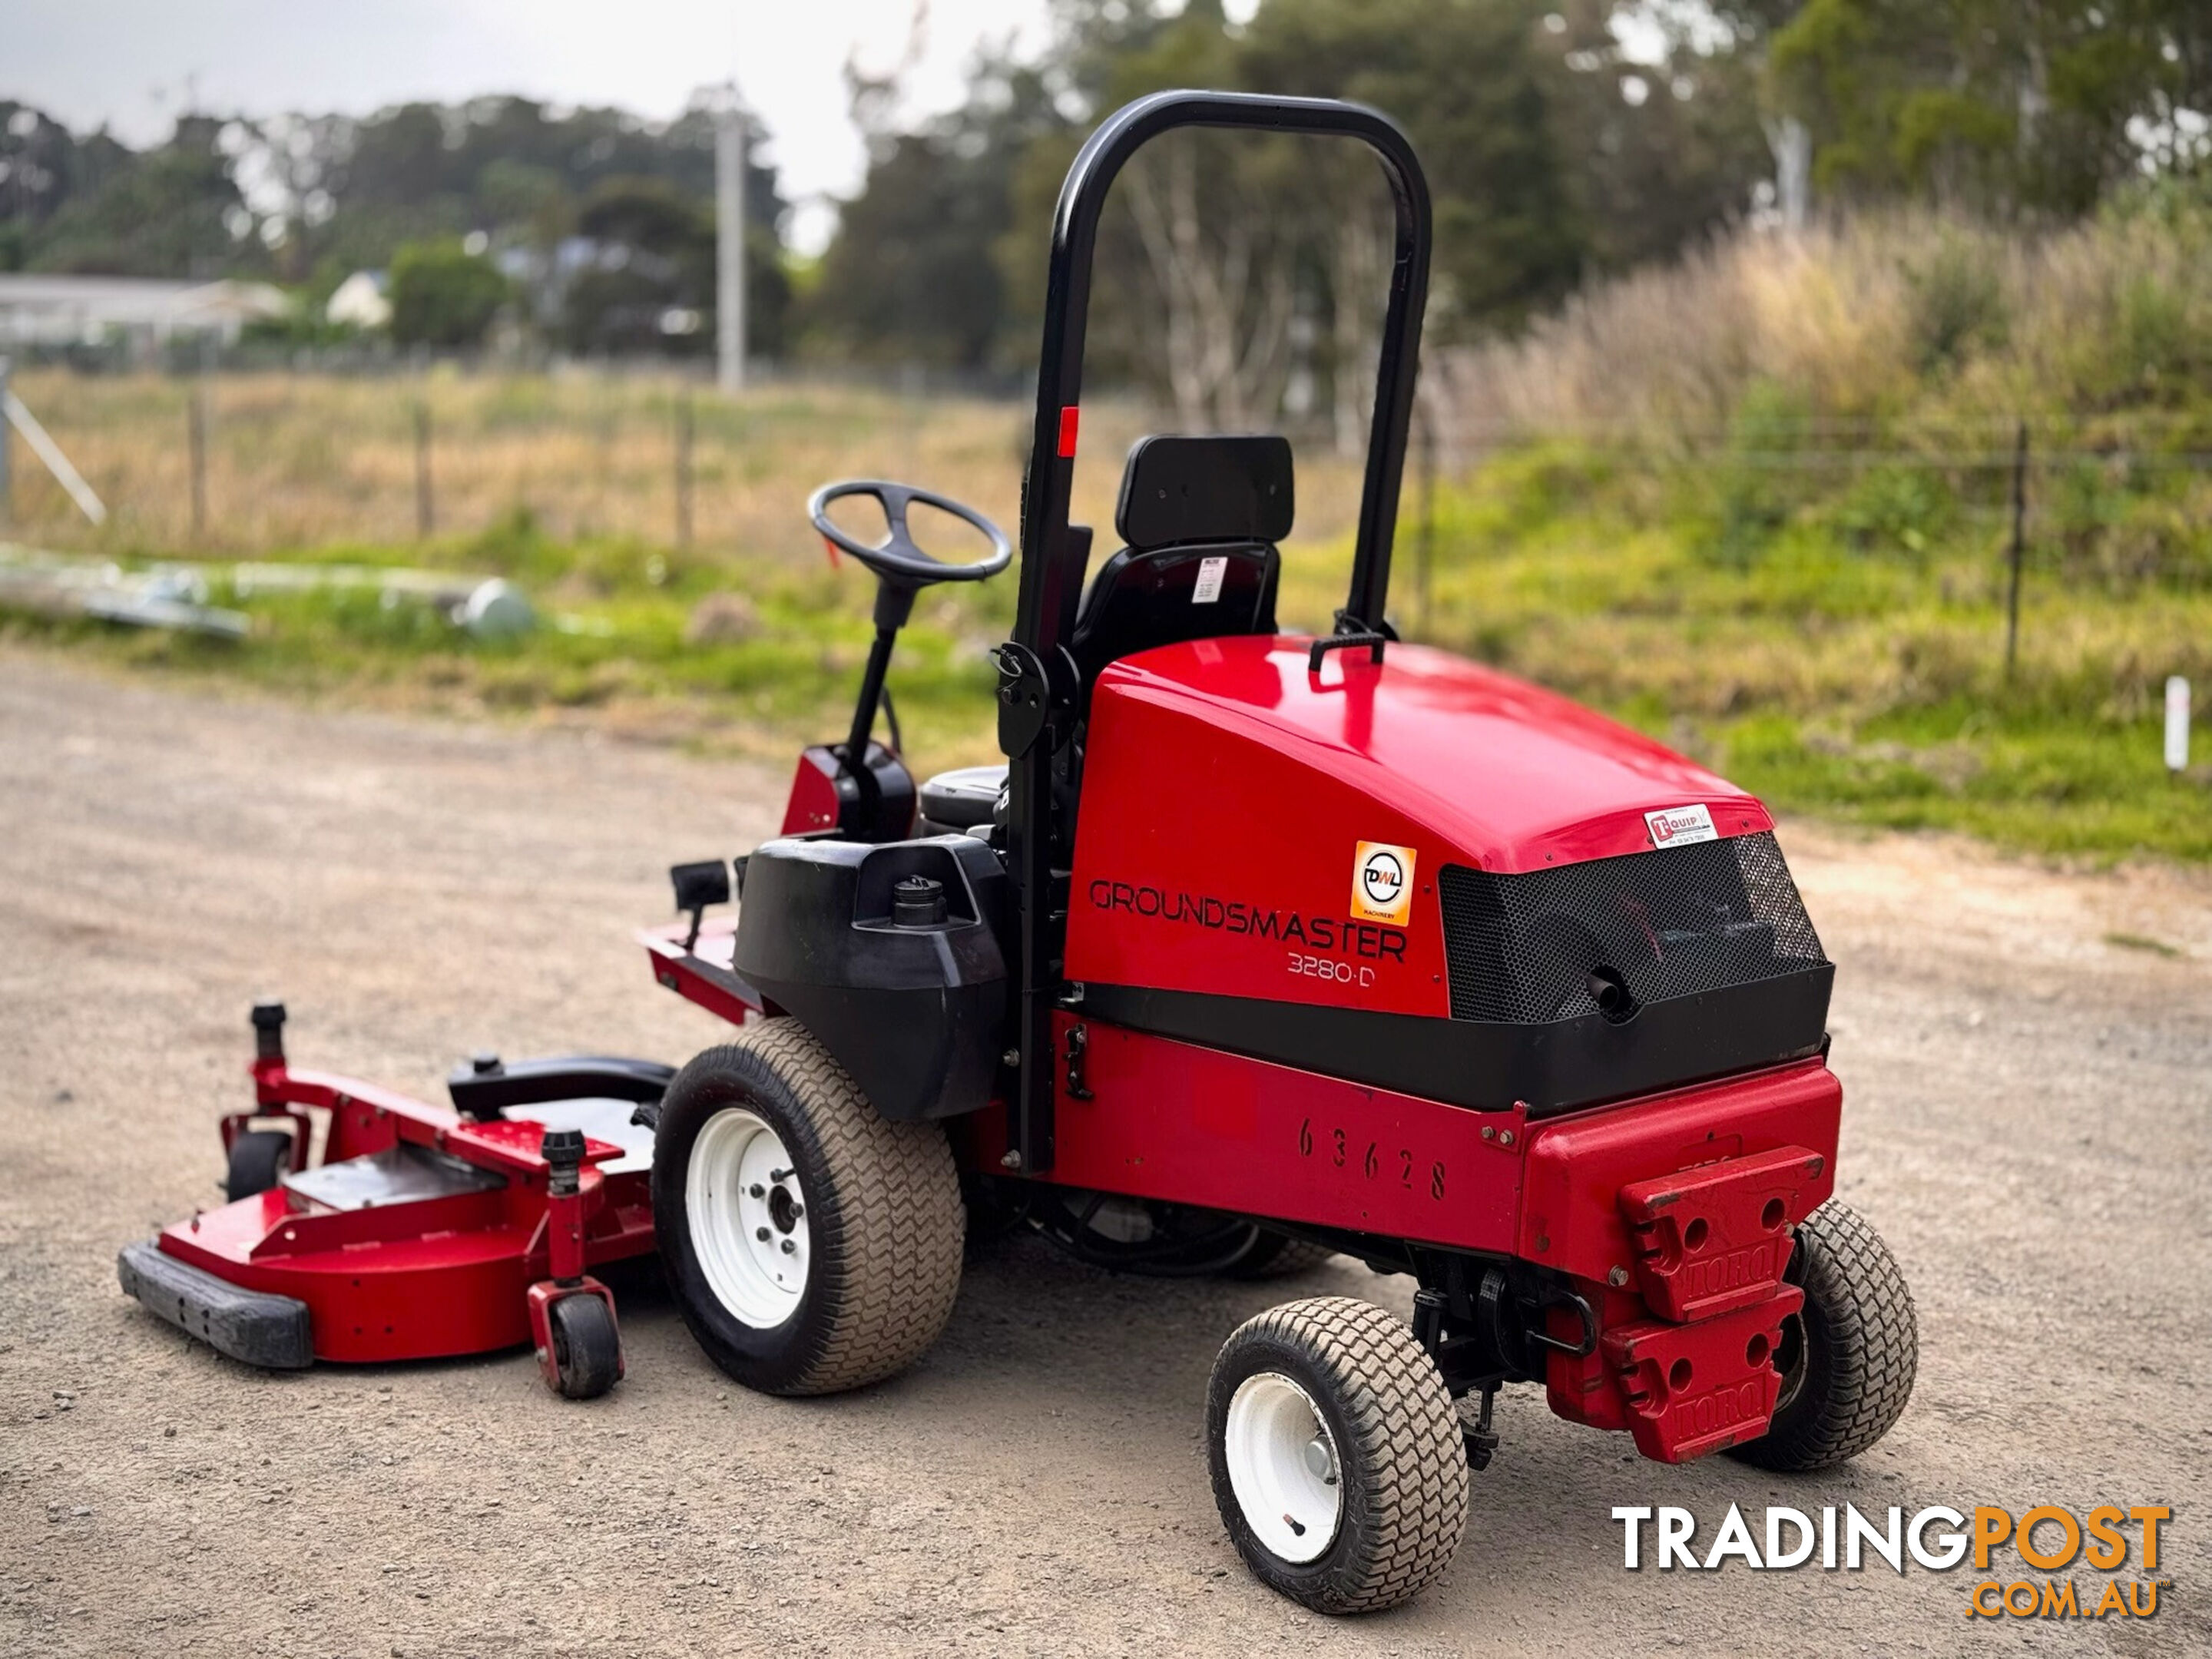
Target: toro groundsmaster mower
column 1259, row 947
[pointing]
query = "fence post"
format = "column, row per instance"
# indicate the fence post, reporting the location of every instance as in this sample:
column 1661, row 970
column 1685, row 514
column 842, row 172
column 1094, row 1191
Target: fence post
column 425, row 520
column 684, row 435
column 1425, row 547
column 7, row 498
column 196, row 433
column 2019, row 550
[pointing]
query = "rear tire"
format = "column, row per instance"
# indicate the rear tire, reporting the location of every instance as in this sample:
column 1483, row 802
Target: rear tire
column 587, row 1348
column 833, row 1268
column 1848, row 1361
column 1336, row 1456
column 1277, row 1255
column 259, row 1158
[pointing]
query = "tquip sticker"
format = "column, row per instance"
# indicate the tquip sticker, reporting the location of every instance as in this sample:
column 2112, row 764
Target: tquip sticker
column 1381, row 882
column 1677, row 826
column 1210, row 573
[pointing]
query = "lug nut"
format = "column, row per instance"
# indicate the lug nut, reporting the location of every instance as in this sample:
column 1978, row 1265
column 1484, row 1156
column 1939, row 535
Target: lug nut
column 780, row 1175
column 757, row 1190
column 761, row 1233
column 790, row 1248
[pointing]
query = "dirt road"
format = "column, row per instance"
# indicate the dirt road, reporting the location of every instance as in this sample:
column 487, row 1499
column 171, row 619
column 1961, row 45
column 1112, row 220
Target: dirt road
column 2029, row 1122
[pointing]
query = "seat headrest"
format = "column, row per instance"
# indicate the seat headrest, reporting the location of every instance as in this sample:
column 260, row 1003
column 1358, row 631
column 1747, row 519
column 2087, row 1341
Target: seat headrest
column 1177, row 490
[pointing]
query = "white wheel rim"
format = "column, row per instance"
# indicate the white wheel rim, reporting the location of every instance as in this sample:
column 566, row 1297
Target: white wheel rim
column 1283, row 1466
column 748, row 1218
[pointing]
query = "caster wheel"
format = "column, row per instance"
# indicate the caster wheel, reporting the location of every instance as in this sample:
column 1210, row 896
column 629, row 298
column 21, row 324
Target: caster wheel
column 1848, row 1360
column 587, row 1348
column 1336, row 1456
column 812, row 1244
column 259, row 1158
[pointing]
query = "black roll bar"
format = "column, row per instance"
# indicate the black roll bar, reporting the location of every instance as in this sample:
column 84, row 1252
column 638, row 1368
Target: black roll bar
column 1039, row 688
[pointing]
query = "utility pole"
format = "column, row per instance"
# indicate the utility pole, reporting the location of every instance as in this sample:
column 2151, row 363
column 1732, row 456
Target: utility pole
column 7, row 502
column 729, row 243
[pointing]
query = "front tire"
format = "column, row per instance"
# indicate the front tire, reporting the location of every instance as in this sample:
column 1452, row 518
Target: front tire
column 812, row 1245
column 1337, row 1461
column 1848, row 1361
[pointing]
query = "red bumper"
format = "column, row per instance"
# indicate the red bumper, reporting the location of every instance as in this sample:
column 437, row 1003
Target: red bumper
column 1673, row 1216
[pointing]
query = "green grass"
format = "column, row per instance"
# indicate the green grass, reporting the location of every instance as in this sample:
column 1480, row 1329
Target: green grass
column 1834, row 644
column 1839, row 650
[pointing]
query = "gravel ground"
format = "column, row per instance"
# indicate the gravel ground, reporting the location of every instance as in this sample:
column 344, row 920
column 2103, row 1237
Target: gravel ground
column 2028, row 1124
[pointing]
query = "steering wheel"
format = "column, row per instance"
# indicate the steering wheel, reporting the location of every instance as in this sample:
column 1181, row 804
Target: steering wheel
column 897, row 559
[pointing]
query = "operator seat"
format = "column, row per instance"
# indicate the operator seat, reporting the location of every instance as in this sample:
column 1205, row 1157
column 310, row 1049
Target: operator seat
column 1201, row 518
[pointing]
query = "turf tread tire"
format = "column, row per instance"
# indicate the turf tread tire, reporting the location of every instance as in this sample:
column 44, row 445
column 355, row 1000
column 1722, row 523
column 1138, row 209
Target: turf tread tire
column 1404, row 1464
column 1863, row 1347
column 883, row 1213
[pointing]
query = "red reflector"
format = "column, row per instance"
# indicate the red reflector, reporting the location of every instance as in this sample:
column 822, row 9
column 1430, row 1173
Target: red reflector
column 830, row 548
column 1068, row 417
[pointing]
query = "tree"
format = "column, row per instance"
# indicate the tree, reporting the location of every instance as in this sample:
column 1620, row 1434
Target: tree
column 2004, row 104
column 175, row 212
column 443, row 296
column 913, row 275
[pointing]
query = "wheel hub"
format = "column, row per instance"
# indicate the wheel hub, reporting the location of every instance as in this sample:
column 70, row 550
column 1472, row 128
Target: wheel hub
column 747, row 1216
column 1283, row 1466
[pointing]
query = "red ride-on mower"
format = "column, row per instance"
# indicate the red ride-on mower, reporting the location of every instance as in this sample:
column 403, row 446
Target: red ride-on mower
column 1260, row 947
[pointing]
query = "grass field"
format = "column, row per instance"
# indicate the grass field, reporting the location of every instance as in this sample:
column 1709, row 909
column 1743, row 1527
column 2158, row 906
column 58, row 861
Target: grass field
column 1834, row 642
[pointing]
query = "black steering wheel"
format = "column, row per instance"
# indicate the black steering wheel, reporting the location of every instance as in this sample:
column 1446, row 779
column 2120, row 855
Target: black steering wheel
column 896, row 558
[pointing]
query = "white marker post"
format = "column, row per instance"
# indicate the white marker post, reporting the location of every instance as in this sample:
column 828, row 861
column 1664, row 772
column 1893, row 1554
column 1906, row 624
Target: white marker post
column 2177, row 724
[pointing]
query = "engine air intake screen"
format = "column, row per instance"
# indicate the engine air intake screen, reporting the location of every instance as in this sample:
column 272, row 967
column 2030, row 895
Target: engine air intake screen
column 1678, row 921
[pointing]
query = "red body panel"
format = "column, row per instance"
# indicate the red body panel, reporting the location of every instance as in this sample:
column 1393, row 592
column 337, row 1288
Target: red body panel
column 1172, row 1120
column 1227, row 790
column 812, row 805
column 1191, row 1125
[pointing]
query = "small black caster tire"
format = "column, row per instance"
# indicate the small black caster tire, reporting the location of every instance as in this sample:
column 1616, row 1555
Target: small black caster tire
column 259, row 1158
column 1849, row 1360
column 1337, row 1461
column 586, row 1347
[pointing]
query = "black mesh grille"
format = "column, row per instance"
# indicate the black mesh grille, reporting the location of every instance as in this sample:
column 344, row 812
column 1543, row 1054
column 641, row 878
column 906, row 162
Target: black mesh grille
column 1673, row 922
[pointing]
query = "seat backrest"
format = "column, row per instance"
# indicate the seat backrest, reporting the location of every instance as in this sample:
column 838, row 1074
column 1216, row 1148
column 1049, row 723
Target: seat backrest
column 1200, row 517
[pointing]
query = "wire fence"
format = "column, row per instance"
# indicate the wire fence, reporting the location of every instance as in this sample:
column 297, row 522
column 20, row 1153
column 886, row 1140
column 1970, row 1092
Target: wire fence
column 260, row 463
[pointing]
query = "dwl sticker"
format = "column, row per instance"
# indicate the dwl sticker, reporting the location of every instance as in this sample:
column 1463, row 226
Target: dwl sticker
column 1381, row 882
column 1207, row 589
column 1677, row 826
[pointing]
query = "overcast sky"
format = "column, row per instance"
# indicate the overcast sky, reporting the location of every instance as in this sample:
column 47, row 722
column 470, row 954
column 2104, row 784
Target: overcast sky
column 132, row 62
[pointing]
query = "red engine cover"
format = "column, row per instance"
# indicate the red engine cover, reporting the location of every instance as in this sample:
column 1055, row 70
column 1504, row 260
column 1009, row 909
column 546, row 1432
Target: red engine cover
column 1232, row 801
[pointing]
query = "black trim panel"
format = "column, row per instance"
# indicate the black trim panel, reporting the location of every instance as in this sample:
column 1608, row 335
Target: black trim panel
column 1489, row 1065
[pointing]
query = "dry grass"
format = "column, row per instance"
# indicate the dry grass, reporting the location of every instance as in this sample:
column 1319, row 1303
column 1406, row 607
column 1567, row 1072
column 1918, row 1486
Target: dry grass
column 1911, row 317
column 301, row 462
